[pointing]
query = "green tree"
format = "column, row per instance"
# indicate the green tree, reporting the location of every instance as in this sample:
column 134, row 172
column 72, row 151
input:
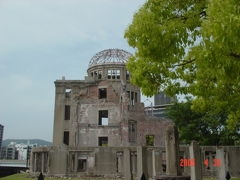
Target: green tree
column 189, row 47
column 204, row 127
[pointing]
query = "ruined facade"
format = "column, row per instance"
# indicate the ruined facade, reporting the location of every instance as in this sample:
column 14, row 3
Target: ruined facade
column 100, row 129
column 104, row 109
column 101, row 113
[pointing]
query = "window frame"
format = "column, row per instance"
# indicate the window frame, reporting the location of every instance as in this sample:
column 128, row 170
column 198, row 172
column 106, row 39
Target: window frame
column 67, row 112
column 100, row 141
column 101, row 115
column 66, row 137
column 114, row 74
column 148, row 139
column 84, row 168
column 99, row 93
column 132, row 135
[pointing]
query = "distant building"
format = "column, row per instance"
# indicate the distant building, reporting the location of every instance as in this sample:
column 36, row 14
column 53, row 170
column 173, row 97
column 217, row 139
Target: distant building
column 163, row 99
column 157, row 111
column 161, row 103
column 3, row 152
column 24, row 150
column 16, row 151
column 1, row 134
column 9, row 152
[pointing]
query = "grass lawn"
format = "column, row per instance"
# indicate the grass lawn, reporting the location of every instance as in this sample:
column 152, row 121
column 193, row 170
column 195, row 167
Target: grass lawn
column 24, row 177
column 216, row 179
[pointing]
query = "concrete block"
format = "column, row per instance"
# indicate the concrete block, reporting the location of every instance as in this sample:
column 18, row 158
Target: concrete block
column 195, row 153
column 221, row 170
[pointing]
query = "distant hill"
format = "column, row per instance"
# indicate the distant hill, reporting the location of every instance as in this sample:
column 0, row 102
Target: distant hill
column 39, row 142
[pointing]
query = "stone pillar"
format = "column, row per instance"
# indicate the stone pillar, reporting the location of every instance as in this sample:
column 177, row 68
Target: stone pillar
column 127, row 165
column 226, row 161
column 203, row 157
column 119, row 161
column 130, row 95
column 221, row 170
column 59, row 107
column 141, row 162
column 186, row 169
column 160, row 162
column 48, row 163
column 42, row 167
column 133, row 158
column 210, row 160
column 76, row 162
column 153, row 165
column 35, row 162
column 31, row 162
column 172, row 150
column 195, row 153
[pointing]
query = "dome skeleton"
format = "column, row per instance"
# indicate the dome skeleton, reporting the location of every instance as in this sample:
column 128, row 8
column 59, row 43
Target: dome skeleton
column 110, row 56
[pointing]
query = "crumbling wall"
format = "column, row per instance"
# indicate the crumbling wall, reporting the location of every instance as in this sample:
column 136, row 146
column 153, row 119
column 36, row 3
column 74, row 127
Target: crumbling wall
column 155, row 127
column 111, row 161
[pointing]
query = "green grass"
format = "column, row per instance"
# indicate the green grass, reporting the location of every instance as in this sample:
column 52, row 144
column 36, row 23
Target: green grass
column 216, row 179
column 25, row 177
column 16, row 177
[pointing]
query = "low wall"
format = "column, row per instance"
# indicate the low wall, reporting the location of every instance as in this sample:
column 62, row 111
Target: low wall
column 123, row 161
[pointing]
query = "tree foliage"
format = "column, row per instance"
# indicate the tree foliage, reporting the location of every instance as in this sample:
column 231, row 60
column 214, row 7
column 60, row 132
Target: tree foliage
column 204, row 127
column 189, row 47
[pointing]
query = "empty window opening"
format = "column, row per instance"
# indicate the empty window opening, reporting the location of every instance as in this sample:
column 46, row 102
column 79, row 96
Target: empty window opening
column 66, row 137
column 127, row 75
column 67, row 93
column 99, row 74
column 82, row 165
column 73, row 162
column 150, row 140
column 103, row 118
column 132, row 131
column 132, row 98
column 128, row 94
column 102, row 93
column 67, row 90
column 136, row 97
column 164, row 166
column 67, row 112
column 114, row 74
column 103, row 141
column 109, row 74
column 118, row 74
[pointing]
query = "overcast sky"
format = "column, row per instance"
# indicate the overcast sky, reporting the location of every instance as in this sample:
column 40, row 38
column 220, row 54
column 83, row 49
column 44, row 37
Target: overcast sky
column 43, row 40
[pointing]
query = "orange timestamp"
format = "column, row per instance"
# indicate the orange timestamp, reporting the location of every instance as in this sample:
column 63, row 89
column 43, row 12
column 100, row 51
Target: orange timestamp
column 192, row 162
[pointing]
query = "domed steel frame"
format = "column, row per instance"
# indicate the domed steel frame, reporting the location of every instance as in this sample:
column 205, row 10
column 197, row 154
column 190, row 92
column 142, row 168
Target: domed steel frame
column 110, row 56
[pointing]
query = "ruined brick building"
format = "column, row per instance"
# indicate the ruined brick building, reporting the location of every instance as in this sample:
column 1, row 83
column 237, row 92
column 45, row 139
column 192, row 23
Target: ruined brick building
column 104, row 109
column 100, row 128
column 101, row 113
